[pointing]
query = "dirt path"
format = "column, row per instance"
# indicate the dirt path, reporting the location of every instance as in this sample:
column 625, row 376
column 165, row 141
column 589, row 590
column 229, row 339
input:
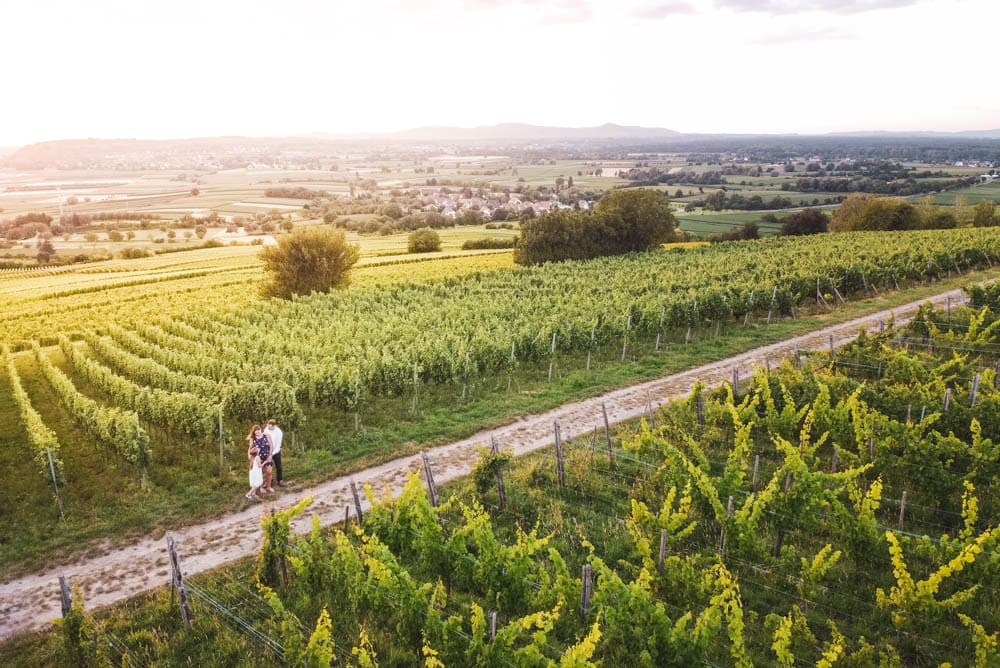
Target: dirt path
column 31, row 601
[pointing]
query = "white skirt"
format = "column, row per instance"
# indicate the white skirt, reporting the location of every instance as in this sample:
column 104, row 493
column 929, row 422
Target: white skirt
column 256, row 477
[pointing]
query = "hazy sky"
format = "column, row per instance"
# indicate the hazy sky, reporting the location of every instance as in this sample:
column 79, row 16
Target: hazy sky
column 182, row 68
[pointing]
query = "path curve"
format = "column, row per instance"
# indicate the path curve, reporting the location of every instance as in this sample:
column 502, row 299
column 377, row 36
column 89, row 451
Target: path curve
column 31, row 601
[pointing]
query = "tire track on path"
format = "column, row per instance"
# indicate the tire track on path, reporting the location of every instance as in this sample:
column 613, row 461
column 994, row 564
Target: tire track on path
column 31, row 601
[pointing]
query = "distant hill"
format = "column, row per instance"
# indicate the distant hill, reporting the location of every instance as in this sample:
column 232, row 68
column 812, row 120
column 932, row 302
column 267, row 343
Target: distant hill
column 523, row 131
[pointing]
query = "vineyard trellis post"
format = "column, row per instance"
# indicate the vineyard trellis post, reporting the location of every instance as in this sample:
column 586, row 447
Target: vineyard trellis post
column 628, row 327
column 947, row 399
column 493, row 625
column 501, row 491
column 177, row 582
column 996, row 375
column 871, row 449
column 429, row 476
column 66, row 597
column 55, row 484
column 770, row 309
column 923, row 414
column 593, row 333
column 357, row 503
column 222, row 443
column 831, row 345
column 902, row 509
column 699, row 407
column 909, row 413
column 552, row 356
column 607, row 436
column 560, row 475
column 837, row 292
column 736, row 381
column 586, row 590
column 746, row 318
column 756, row 467
column 975, row 390
column 722, row 532
column 347, row 518
column 663, row 551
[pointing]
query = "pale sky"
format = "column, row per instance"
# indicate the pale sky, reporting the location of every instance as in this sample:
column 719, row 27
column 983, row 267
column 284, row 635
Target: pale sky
column 185, row 68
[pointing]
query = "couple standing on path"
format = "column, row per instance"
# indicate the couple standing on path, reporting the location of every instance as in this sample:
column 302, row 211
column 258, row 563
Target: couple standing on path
column 264, row 453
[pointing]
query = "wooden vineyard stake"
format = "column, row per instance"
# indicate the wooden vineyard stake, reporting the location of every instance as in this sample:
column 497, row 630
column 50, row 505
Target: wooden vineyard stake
column 607, row 436
column 881, row 326
column 493, row 625
column 177, row 582
column 736, row 381
column 948, row 307
column 585, row 592
column 909, row 413
column 659, row 332
column 663, row 551
column 837, row 292
column 798, row 358
column 923, row 414
column 649, row 408
column 722, row 532
column 55, row 484
column 996, row 375
column 501, row 491
column 831, row 345
column 552, row 356
column 871, row 449
column 347, row 518
column 281, row 561
column 628, row 326
column 560, row 475
column 902, row 509
column 819, row 295
column 756, row 467
column 222, row 444
column 788, row 482
column 429, row 476
column 65, row 595
column 836, row 459
column 770, row 309
column 699, row 407
column 746, row 318
column 357, row 504
column 947, row 399
column 593, row 332
column 975, row 390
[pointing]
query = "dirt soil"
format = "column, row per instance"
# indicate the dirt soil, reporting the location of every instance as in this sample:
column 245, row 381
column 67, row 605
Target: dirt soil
column 107, row 576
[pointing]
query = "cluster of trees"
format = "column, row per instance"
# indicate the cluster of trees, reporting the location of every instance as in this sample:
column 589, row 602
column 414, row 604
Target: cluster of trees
column 295, row 193
column 652, row 176
column 868, row 184
column 720, row 200
column 623, row 221
column 865, row 212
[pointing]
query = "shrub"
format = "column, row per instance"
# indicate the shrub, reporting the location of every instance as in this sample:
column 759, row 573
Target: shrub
column 748, row 230
column 807, row 221
column 133, row 253
column 489, row 242
column 423, row 241
column 309, row 259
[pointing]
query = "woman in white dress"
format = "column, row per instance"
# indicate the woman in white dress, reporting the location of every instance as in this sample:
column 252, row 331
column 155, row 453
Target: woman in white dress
column 256, row 474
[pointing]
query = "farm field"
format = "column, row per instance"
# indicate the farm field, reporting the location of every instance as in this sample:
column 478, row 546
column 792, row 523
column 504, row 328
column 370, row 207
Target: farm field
column 790, row 518
column 434, row 362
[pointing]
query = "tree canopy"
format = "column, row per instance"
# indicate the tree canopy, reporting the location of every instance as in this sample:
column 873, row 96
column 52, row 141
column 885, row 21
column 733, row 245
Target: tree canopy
column 308, row 259
column 623, row 221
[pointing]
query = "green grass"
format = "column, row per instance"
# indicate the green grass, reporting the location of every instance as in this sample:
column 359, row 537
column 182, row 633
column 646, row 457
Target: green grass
column 971, row 195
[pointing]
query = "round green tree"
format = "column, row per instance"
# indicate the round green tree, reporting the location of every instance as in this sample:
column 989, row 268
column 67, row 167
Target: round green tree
column 308, row 259
column 424, row 240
